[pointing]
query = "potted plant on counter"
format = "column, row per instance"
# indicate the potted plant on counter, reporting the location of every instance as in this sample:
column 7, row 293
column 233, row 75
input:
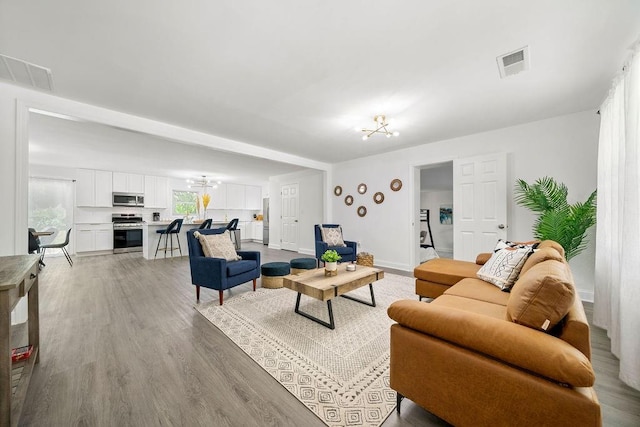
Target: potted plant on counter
column 330, row 258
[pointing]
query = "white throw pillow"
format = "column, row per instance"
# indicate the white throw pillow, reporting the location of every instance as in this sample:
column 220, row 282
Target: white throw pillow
column 332, row 236
column 218, row 246
column 503, row 268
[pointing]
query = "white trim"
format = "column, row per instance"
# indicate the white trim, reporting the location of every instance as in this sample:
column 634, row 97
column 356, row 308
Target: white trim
column 306, row 251
column 586, row 295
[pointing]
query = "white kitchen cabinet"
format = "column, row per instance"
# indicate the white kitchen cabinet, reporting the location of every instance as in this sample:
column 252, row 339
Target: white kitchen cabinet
column 94, row 237
column 93, row 188
column 253, row 198
column 128, row 183
column 257, row 231
column 235, row 196
column 245, row 232
column 155, row 192
column 218, row 197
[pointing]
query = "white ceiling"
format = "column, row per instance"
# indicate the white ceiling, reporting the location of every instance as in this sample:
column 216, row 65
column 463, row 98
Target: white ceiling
column 298, row 76
column 67, row 143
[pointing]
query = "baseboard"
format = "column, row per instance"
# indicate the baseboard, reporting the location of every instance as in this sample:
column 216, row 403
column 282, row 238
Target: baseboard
column 393, row 265
column 274, row 246
column 586, row 296
column 306, row 251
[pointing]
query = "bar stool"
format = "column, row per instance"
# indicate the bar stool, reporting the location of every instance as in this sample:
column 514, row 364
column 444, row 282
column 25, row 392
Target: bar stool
column 173, row 228
column 232, row 227
column 206, row 224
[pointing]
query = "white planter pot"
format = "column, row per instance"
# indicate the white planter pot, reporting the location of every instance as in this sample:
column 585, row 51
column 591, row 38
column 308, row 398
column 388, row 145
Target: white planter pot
column 331, row 266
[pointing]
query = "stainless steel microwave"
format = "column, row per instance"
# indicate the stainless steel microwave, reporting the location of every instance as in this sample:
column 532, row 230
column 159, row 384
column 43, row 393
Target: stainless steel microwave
column 128, row 199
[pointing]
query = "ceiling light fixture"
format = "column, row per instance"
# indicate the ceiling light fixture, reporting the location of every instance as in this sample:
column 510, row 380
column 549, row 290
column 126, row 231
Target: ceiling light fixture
column 381, row 127
column 203, row 182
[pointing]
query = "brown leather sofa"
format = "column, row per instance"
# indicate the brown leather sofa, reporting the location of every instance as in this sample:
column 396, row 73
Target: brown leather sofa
column 477, row 356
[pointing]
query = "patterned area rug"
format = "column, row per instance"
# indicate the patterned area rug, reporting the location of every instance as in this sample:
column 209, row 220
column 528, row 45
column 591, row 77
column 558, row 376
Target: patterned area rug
column 342, row 375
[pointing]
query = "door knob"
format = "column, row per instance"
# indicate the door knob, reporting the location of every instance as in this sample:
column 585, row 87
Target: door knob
column 501, row 226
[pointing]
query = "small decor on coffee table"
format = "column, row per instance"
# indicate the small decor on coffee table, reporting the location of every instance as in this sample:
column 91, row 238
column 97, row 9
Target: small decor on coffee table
column 330, row 258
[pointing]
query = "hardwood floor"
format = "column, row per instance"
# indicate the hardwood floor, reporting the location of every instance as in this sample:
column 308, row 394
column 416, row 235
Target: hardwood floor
column 121, row 344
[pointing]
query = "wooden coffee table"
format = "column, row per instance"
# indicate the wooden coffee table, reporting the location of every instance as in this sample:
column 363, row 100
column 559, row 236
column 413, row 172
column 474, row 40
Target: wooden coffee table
column 313, row 283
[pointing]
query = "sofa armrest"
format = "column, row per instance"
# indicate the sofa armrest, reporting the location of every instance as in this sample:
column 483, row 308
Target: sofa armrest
column 517, row 345
column 482, row 258
column 321, row 247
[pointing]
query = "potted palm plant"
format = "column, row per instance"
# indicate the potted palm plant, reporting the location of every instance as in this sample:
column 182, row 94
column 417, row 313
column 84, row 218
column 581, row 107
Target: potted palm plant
column 557, row 219
column 331, row 258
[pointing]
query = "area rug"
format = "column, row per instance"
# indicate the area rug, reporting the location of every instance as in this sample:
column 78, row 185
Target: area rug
column 342, row 375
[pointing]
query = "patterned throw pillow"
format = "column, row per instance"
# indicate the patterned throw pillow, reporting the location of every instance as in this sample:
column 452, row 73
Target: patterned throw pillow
column 504, row 266
column 332, row 236
column 503, row 244
column 218, row 246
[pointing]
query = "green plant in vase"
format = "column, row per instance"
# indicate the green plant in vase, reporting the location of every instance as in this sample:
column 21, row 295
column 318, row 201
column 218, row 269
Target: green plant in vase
column 330, row 258
column 557, row 219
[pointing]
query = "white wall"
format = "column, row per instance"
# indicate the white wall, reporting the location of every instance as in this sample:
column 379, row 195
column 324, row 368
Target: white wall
column 564, row 147
column 311, row 188
column 442, row 233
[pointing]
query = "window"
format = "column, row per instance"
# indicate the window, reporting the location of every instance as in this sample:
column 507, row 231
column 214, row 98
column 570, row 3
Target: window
column 184, row 202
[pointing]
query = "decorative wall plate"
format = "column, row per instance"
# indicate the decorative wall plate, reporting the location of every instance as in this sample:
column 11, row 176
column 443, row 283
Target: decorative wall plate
column 378, row 197
column 348, row 200
column 362, row 188
column 337, row 191
column 362, row 211
column 396, row 185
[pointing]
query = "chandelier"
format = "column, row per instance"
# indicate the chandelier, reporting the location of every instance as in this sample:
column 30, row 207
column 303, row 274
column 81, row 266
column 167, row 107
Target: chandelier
column 381, row 127
column 203, row 182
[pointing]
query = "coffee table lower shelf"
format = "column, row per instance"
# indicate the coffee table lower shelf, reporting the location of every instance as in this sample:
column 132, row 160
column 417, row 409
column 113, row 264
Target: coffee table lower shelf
column 331, row 323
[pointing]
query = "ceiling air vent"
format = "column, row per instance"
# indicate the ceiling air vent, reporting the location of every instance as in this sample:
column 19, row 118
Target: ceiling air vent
column 25, row 73
column 513, row 62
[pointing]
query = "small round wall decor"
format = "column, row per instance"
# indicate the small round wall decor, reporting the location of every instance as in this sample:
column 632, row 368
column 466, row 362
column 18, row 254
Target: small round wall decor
column 337, row 191
column 378, row 197
column 396, row 185
column 362, row 211
column 348, row 200
column 362, row 188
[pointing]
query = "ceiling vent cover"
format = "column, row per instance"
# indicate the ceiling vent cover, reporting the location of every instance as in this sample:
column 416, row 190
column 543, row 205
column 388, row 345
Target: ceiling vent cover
column 513, row 62
column 25, row 73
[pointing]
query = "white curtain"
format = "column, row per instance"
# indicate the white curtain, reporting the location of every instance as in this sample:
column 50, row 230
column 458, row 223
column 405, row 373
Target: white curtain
column 617, row 281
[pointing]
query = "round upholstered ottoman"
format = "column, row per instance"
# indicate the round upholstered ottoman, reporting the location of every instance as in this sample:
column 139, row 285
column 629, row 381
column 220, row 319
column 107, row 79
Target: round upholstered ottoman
column 300, row 265
column 272, row 274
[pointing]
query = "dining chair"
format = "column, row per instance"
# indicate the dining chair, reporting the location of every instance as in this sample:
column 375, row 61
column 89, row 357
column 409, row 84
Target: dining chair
column 59, row 242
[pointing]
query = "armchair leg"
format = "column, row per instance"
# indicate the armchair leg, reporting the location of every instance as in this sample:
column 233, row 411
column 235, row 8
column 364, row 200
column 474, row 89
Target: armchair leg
column 197, row 293
column 254, row 285
column 220, row 294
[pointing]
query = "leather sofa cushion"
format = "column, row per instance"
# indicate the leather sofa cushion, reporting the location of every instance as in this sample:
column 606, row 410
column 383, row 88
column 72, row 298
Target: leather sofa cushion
column 479, row 290
column 552, row 244
column 526, row 348
column 542, row 254
column 496, row 311
column 445, row 271
column 542, row 296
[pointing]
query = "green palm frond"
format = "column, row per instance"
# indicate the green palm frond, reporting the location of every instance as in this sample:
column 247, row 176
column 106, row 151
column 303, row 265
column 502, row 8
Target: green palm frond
column 557, row 220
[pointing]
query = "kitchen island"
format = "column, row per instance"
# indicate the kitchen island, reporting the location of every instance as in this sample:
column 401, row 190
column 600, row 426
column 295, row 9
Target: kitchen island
column 150, row 238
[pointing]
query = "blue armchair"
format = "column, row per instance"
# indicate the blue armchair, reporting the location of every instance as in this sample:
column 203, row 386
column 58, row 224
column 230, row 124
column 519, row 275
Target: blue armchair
column 348, row 253
column 218, row 273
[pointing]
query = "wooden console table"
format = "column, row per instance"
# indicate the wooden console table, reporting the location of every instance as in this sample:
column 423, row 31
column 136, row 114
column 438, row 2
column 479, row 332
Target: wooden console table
column 18, row 277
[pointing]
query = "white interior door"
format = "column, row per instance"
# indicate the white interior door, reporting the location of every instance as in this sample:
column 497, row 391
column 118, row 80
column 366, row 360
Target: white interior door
column 479, row 204
column 289, row 217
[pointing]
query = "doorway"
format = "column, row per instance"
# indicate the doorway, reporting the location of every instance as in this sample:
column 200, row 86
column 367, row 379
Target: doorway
column 436, row 209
